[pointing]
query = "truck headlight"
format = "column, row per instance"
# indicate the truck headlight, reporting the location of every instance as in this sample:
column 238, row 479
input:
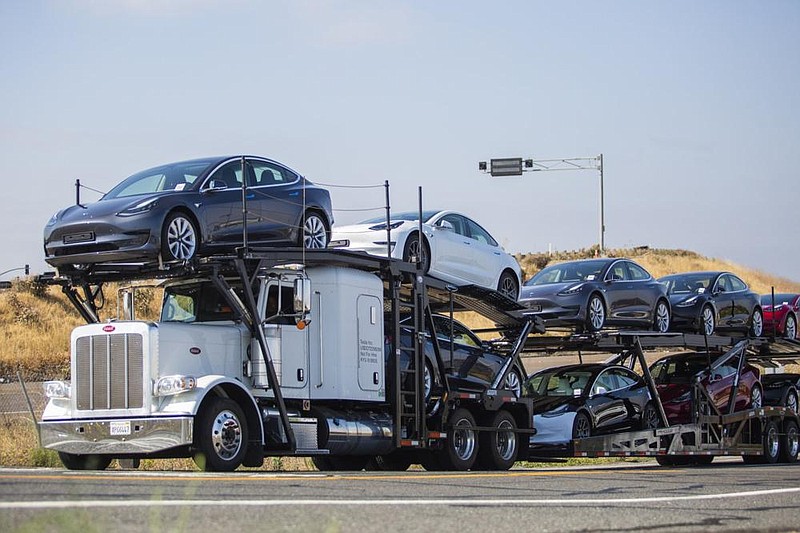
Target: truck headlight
column 56, row 389
column 170, row 385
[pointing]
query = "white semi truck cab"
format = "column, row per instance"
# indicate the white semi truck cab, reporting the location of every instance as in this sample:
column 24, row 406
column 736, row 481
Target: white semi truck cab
column 268, row 359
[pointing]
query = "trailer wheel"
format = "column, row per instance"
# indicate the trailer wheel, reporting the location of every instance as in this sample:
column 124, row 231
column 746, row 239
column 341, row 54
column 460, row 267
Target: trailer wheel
column 771, row 443
column 461, row 448
column 498, row 449
column 84, row 462
column 220, row 436
column 790, row 444
column 327, row 463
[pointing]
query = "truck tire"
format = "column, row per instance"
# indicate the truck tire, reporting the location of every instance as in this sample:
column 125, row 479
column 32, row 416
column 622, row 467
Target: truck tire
column 461, row 448
column 498, row 449
column 790, row 443
column 220, row 436
column 771, row 445
column 73, row 461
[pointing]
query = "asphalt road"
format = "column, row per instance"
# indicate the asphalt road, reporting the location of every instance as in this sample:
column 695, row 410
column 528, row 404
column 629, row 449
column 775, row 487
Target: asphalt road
column 723, row 497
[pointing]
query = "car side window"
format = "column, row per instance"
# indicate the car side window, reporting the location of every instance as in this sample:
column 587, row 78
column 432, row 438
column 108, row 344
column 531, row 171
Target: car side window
column 265, row 174
column 623, row 378
column 637, row 273
column 604, row 381
column 722, row 284
column 618, row 272
column 456, row 222
column 230, row 174
column 736, row 284
column 479, row 234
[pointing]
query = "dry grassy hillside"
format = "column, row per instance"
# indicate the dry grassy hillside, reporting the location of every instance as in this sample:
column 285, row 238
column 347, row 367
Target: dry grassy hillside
column 35, row 321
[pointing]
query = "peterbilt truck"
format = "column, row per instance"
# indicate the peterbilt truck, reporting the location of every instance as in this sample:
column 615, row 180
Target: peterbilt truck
column 274, row 354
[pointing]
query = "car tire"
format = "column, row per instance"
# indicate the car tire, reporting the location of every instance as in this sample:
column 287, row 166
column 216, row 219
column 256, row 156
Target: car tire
column 756, row 397
column 220, row 436
column 790, row 327
column 757, row 323
column 508, row 285
column 413, row 248
column 650, row 417
column 73, row 461
column 315, row 233
column 498, row 449
column 790, row 443
column 790, row 402
column 708, row 321
column 581, row 426
column 461, row 447
column 595, row 313
column 179, row 238
column 661, row 317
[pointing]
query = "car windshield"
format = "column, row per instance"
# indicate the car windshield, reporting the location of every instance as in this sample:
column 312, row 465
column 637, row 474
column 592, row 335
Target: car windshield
column 688, row 283
column 409, row 215
column 677, row 371
column 567, row 272
column 558, row 382
column 173, row 177
column 779, row 299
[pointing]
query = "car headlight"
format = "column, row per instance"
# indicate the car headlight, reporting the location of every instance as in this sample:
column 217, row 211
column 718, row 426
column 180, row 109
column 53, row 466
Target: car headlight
column 53, row 219
column 142, row 207
column 382, row 226
column 575, row 289
column 171, row 385
column 688, row 302
column 56, row 389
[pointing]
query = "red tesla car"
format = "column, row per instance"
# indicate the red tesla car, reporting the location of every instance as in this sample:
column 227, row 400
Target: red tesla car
column 781, row 319
column 675, row 374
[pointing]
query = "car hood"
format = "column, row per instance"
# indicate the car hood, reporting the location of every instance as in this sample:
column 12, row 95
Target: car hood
column 536, row 291
column 103, row 208
column 682, row 297
column 545, row 404
column 381, row 226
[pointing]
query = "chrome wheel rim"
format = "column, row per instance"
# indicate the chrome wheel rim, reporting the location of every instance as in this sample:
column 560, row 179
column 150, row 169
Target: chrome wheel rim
column 791, row 328
column 582, row 429
column 463, row 439
column 708, row 320
column 226, row 435
column 597, row 313
column 758, row 324
column 416, row 252
column 427, row 381
column 791, row 402
column 755, row 398
column 513, row 383
column 181, row 238
column 662, row 317
column 772, row 442
column 651, row 420
column 792, row 441
column 315, row 235
column 506, row 441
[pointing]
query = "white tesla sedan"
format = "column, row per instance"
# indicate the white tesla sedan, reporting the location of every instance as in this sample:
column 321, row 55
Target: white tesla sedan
column 454, row 248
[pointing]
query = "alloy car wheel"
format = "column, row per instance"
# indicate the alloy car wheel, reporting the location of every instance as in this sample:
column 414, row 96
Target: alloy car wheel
column 581, row 427
column 427, row 380
column 707, row 321
column 508, row 285
column 650, row 417
column 756, row 398
column 791, row 401
column 315, row 232
column 179, row 239
column 416, row 252
column 661, row 324
column 513, row 383
column 595, row 313
column 790, row 330
column 756, row 323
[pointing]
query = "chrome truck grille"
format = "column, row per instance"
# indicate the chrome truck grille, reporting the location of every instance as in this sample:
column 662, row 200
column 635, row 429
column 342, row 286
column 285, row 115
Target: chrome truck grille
column 109, row 372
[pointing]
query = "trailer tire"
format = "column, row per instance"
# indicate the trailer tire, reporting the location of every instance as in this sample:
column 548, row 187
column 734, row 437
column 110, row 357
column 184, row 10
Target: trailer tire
column 461, row 448
column 790, row 443
column 73, row 461
column 771, row 443
column 327, row 463
column 498, row 449
column 220, row 436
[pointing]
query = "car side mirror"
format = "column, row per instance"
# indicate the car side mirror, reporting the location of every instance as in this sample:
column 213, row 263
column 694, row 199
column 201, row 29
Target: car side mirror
column 600, row 390
column 445, row 225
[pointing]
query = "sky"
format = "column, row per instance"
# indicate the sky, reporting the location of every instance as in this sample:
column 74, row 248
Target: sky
column 695, row 106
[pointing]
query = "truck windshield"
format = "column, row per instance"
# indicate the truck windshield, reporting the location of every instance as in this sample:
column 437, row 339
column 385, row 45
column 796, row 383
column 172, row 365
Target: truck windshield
column 200, row 302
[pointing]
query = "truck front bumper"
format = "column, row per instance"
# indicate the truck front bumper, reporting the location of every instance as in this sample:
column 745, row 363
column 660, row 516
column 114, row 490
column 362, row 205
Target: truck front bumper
column 116, row 436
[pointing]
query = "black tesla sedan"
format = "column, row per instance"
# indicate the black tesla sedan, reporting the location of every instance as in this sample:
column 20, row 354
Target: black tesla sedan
column 710, row 301
column 182, row 209
column 593, row 293
column 578, row 401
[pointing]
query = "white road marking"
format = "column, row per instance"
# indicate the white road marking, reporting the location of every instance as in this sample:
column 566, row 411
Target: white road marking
column 454, row 502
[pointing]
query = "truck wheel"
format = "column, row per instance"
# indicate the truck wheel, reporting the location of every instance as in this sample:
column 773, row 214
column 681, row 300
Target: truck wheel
column 790, row 444
column 771, row 442
column 461, row 448
column 220, row 436
column 84, row 462
column 498, row 449
column 327, row 463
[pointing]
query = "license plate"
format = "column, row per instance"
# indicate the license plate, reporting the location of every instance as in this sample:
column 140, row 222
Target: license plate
column 120, row 428
column 86, row 236
column 536, row 308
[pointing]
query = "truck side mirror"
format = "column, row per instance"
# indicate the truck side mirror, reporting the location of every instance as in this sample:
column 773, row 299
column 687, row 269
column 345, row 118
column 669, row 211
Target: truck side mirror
column 302, row 299
column 127, row 311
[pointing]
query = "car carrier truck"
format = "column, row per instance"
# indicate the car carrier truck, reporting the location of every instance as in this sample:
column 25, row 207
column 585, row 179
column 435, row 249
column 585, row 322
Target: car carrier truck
column 284, row 353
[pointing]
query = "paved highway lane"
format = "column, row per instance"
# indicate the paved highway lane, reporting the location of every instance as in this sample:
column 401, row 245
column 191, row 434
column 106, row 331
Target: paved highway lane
column 726, row 496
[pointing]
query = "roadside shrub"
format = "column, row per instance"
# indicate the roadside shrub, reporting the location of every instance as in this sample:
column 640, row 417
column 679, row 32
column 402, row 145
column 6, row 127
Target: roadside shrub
column 23, row 313
column 30, row 286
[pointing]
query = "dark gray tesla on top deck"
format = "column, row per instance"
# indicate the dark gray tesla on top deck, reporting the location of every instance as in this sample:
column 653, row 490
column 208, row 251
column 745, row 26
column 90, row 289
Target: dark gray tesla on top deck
column 593, row 293
column 178, row 210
